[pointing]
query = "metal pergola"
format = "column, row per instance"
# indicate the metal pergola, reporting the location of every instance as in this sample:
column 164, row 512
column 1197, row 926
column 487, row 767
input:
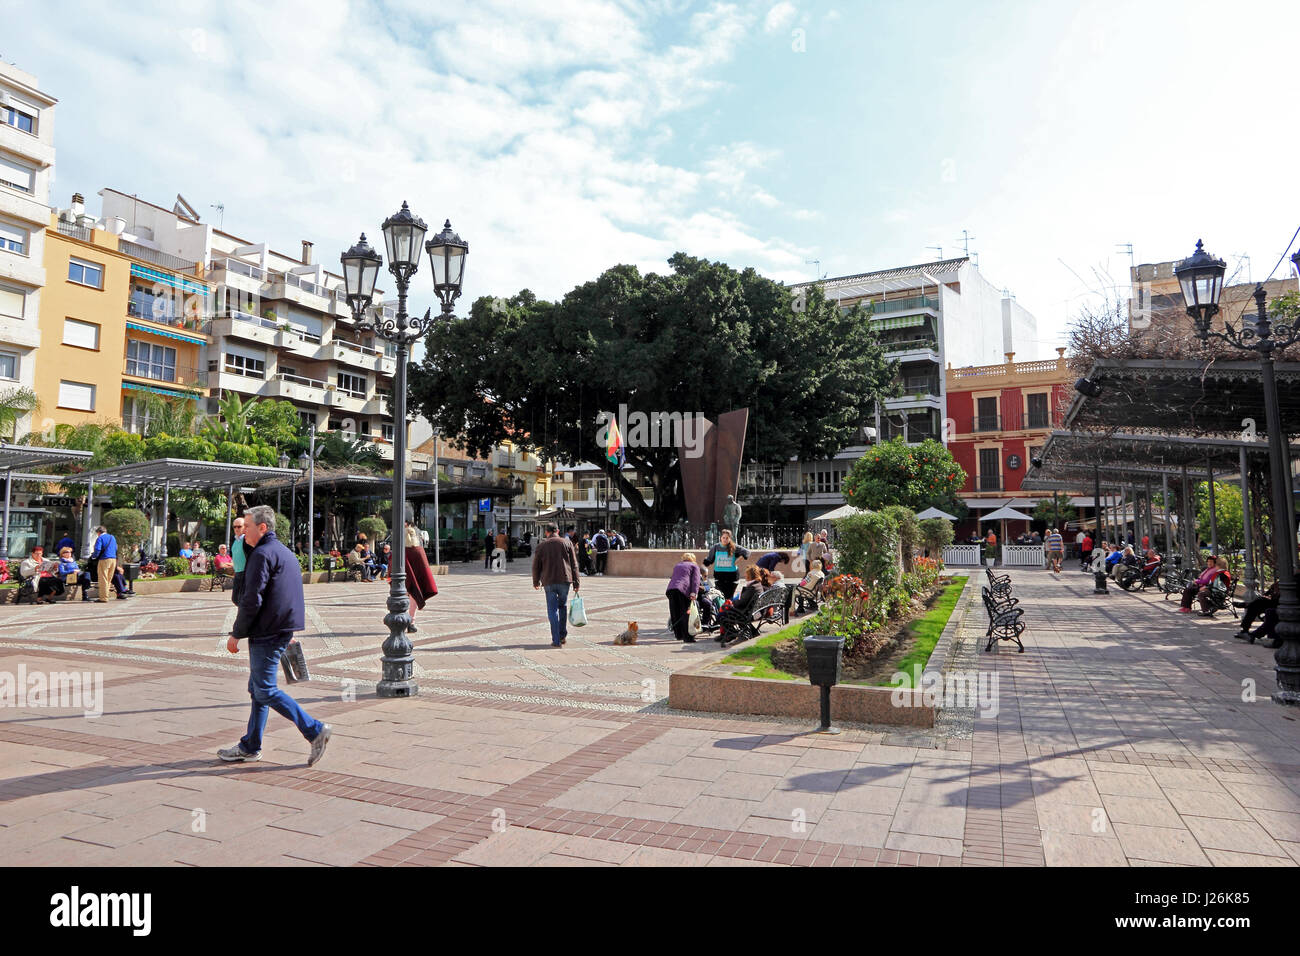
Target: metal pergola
column 1131, row 460
column 29, row 456
column 180, row 473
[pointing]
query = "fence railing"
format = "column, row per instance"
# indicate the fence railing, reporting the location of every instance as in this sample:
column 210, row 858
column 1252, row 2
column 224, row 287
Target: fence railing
column 1022, row 555
column 962, row 555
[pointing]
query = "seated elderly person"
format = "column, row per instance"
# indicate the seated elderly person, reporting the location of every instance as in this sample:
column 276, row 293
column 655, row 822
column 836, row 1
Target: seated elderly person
column 222, row 563
column 67, row 566
column 356, row 560
column 805, row 592
column 38, row 569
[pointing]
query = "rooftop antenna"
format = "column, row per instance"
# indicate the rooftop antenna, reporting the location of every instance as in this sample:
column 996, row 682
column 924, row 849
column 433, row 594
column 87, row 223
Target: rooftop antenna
column 938, row 249
column 966, row 237
column 818, row 273
column 1128, row 248
column 220, row 207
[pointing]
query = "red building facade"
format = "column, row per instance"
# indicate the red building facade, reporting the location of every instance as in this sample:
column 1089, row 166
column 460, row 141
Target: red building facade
column 998, row 417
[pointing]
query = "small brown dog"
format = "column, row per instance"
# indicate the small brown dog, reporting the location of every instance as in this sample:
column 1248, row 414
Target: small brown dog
column 628, row 636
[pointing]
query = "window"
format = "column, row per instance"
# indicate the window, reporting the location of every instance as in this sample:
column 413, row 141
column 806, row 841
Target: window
column 16, row 175
column 354, row 385
column 9, row 366
column 150, row 361
column 13, row 239
column 13, row 302
column 986, row 415
column 78, row 396
column 86, row 273
column 18, row 119
column 83, row 335
column 245, row 365
column 308, row 419
column 135, row 416
column 990, row 469
column 288, row 370
column 387, row 429
column 1037, row 410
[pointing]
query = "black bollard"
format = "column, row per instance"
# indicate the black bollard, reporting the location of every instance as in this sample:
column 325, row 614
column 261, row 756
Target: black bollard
column 1099, row 580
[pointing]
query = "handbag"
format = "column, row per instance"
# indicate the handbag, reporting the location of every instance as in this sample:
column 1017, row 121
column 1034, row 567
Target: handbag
column 577, row 616
column 294, row 663
column 693, row 620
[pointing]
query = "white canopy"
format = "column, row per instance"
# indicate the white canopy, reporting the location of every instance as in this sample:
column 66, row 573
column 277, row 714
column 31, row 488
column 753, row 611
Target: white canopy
column 844, row 511
column 935, row 513
column 1007, row 514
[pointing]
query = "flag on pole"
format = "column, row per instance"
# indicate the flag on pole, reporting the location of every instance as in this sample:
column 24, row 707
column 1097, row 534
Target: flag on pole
column 614, row 444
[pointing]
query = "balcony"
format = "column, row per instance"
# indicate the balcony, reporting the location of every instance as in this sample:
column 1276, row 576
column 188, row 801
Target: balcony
column 986, row 423
column 181, row 376
column 298, row 290
column 910, row 304
column 238, row 275
column 912, row 350
column 244, row 325
column 921, row 385
column 989, row 483
column 297, row 388
column 359, row 356
column 162, row 310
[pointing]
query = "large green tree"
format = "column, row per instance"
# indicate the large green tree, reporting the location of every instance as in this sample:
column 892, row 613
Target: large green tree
column 703, row 338
column 915, row 476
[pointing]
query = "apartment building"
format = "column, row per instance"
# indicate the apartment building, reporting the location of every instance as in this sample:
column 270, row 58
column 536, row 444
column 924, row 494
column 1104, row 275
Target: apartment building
column 118, row 320
column 281, row 327
column 1000, row 418
column 1157, row 299
column 928, row 316
column 26, row 169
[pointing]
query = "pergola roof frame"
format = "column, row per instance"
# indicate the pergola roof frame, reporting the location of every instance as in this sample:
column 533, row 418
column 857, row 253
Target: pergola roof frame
column 34, row 456
column 183, row 474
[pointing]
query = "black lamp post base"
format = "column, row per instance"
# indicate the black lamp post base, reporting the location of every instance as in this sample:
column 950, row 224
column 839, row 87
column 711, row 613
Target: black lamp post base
column 396, row 688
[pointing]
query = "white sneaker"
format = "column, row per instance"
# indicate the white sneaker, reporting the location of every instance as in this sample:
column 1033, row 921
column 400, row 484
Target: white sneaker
column 318, row 745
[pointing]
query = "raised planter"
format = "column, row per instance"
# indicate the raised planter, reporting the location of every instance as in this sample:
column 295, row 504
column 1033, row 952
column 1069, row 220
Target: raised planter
column 712, row 688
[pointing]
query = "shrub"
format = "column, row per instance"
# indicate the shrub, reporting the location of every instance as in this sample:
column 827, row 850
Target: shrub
column 909, row 532
column 374, row 529
column 868, row 546
column 283, row 531
column 130, row 527
column 936, row 534
column 175, row 566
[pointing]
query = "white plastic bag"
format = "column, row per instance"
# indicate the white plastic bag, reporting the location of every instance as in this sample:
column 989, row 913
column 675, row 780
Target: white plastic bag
column 693, row 620
column 577, row 616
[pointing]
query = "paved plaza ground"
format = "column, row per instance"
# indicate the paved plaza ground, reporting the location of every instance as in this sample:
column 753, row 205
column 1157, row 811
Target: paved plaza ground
column 1123, row 736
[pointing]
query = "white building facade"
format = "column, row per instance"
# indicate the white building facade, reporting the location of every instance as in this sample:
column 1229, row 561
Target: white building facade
column 26, row 171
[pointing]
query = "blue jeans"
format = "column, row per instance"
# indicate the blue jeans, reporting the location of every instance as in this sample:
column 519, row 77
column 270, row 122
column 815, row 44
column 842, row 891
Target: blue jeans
column 263, row 663
column 557, row 610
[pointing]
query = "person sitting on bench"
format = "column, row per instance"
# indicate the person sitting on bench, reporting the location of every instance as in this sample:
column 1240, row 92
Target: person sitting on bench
column 68, row 565
column 41, row 571
column 805, row 593
column 735, row 619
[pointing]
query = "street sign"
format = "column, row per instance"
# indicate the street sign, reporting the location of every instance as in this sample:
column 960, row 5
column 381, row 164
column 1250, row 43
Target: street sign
column 484, row 505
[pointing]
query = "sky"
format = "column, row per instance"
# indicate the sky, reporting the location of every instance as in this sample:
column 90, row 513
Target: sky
column 562, row 137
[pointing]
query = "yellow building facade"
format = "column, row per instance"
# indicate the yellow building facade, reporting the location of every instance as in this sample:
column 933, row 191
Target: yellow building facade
column 115, row 326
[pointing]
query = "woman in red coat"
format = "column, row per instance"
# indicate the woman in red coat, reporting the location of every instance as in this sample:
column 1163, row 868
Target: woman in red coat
column 419, row 576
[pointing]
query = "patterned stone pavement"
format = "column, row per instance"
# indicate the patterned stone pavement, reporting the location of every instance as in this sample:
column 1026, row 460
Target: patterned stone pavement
column 1126, row 734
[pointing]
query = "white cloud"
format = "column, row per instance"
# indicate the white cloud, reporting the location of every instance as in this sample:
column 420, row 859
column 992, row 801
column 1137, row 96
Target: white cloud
column 533, row 125
column 779, row 17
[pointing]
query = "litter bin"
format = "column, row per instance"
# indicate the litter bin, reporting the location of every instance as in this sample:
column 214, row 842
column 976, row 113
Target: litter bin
column 130, row 572
column 825, row 654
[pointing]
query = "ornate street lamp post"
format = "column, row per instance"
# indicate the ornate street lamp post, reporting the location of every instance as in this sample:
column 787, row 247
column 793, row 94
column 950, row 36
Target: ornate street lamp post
column 1201, row 278
column 403, row 237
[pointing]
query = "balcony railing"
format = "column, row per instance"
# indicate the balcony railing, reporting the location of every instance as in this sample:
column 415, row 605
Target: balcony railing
column 178, row 374
column 246, row 372
column 252, row 319
column 300, row 380
column 990, row 482
column 905, row 305
column 301, row 283
column 174, row 263
column 1014, row 422
column 238, row 268
column 909, row 345
column 921, row 386
column 986, row 423
column 75, row 231
column 161, row 310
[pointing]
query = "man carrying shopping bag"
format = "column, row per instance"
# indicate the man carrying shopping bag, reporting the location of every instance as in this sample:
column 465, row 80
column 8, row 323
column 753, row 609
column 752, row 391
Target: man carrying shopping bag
column 555, row 567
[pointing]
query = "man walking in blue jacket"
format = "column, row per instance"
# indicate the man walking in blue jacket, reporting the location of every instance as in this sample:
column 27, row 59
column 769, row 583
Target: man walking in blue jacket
column 270, row 610
column 105, row 557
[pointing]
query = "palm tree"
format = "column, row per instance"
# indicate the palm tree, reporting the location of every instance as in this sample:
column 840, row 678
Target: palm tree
column 339, row 450
column 16, row 404
column 172, row 416
column 233, row 423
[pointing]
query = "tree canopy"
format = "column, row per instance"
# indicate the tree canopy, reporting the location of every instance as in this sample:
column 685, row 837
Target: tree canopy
column 915, row 476
column 702, row 339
